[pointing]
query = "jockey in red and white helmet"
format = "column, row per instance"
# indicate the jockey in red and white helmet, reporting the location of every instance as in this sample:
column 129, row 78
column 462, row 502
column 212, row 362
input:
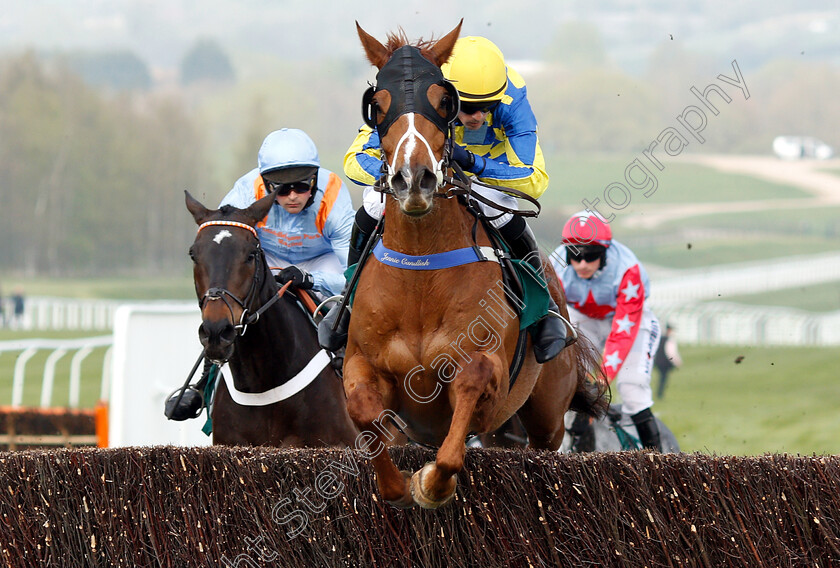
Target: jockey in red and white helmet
column 606, row 287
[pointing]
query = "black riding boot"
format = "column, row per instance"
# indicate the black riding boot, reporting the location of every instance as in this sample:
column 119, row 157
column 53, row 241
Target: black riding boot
column 549, row 334
column 190, row 404
column 648, row 430
column 334, row 340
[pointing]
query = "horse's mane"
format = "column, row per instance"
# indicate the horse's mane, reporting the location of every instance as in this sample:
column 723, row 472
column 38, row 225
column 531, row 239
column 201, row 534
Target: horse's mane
column 227, row 210
column 396, row 40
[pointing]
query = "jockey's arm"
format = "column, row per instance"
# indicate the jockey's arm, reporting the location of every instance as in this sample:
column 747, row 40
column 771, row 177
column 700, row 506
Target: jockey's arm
column 522, row 166
column 337, row 230
column 363, row 160
column 626, row 321
column 515, row 159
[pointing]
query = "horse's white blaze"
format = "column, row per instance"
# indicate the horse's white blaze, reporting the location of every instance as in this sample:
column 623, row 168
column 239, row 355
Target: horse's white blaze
column 221, row 235
column 409, row 138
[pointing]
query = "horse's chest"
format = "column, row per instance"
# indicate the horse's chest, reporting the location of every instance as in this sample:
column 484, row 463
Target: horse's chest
column 428, row 327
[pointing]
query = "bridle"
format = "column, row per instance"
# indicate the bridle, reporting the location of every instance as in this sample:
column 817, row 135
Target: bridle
column 225, row 295
column 217, row 293
column 409, row 70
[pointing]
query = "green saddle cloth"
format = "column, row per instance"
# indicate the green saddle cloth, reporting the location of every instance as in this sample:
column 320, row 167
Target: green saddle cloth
column 533, row 284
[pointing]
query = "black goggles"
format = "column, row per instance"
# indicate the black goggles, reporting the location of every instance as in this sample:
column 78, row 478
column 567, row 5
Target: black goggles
column 284, row 189
column 578, row 255
column 472, row 108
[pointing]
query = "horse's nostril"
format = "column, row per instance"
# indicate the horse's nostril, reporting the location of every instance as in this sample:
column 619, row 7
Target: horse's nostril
column 427, row 181
column 202, row 334
column 216, row 333
column 399, row 183
column 228, row 334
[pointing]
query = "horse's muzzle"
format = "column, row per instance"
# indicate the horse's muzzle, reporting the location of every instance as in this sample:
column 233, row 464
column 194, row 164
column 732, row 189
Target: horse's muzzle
column 217, row 338
column 415, row 190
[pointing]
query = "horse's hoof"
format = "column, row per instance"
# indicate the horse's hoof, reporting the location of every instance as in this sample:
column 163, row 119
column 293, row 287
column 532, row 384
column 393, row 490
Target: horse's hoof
column 406, row 501
column 421, row 496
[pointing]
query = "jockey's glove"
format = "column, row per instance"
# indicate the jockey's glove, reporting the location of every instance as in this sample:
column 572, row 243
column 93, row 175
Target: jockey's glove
column 464, row 157
column 299, row 278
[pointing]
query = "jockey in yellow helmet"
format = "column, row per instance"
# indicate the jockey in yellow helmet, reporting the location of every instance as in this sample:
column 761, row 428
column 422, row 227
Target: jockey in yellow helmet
column 495, row 140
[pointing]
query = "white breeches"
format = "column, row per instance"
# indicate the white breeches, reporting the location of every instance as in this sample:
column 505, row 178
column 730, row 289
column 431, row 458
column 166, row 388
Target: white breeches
column 633, row 378
column 374, row 204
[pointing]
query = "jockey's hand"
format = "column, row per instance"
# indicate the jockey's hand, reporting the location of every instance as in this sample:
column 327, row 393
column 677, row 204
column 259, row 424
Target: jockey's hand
column 299, row 278
column 464, row 157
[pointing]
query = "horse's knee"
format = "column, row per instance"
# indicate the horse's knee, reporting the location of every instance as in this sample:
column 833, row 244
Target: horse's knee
column 364, row 405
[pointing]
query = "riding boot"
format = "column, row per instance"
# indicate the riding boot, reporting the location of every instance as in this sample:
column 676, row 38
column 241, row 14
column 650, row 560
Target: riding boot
column 334, row 339
column 582, row 433
column 192, row 401
column 648, row 430
column 548, row 334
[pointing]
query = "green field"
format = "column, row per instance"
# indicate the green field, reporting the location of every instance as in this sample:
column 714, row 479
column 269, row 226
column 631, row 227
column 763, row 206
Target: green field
column 91, row 371
column 818, row 299
column 689, row 241
column 774, row 400
column 172, row 287
column 585, row 177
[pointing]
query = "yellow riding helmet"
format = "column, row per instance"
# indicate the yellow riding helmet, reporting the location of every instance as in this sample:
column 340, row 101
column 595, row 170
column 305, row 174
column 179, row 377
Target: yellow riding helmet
column 477, row 68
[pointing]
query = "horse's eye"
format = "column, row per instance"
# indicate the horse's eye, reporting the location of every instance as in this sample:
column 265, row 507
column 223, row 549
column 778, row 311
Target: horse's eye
column 445, row 102
column 252, row 256
column 192, row 254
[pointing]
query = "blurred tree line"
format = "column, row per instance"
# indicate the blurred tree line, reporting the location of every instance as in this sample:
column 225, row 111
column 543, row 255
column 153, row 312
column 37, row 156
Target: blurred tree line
column 90, row 182
column 92, row 171
column 584, row 103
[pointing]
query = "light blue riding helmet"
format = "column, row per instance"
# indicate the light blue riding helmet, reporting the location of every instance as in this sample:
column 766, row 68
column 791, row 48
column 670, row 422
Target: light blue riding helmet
column 288, row 148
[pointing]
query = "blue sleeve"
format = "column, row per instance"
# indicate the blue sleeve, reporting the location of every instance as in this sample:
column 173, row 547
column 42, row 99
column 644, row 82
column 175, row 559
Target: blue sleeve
column 337, row 230
column 363, row 160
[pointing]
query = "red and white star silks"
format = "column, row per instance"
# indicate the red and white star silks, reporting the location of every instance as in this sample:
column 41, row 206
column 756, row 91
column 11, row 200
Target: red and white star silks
column 625, row 325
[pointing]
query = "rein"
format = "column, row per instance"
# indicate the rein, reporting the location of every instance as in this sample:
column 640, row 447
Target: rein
column 281, row 392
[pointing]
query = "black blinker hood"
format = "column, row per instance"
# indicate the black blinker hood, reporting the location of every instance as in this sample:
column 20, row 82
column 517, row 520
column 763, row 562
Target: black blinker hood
column 407, row 76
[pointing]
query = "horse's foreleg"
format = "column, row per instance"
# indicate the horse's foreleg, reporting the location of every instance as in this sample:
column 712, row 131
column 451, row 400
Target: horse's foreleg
column 366, row 406
column 434, row 484
column 543, row 412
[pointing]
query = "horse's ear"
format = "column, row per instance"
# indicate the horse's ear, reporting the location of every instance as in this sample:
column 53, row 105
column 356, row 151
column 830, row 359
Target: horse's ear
column 258, row 210
column 199, row 212
column 442, row 48
column 376, row 53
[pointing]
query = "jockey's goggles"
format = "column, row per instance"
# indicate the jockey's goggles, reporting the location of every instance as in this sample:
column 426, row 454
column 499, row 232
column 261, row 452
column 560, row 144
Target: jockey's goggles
column 472, row 108
column 577, row 254
column 284, row 189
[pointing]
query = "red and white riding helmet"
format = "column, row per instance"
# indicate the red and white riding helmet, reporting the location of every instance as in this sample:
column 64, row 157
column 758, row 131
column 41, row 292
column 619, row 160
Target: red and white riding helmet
column 587, row 228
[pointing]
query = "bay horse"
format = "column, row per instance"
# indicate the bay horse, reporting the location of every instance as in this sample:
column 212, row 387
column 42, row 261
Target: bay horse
column 270, row 355
column 426, row 347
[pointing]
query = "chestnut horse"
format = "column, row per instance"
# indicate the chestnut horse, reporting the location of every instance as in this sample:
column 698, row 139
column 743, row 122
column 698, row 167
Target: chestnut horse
column 284, row 390
column 429, row 346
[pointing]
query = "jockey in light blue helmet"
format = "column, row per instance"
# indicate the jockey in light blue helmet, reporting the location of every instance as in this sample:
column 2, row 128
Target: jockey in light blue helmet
column 306, row 233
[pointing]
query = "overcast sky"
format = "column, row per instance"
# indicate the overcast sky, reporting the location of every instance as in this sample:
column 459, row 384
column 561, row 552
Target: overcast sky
column 160, row 31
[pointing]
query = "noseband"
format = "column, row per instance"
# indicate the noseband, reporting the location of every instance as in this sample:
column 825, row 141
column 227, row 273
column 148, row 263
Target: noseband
column 225, row 295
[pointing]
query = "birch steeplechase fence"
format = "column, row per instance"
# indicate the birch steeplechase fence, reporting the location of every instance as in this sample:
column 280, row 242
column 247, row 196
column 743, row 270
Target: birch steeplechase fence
column 236, row 507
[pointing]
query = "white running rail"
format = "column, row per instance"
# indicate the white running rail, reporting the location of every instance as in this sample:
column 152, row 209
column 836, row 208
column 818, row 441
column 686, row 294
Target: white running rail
column 59, row 348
